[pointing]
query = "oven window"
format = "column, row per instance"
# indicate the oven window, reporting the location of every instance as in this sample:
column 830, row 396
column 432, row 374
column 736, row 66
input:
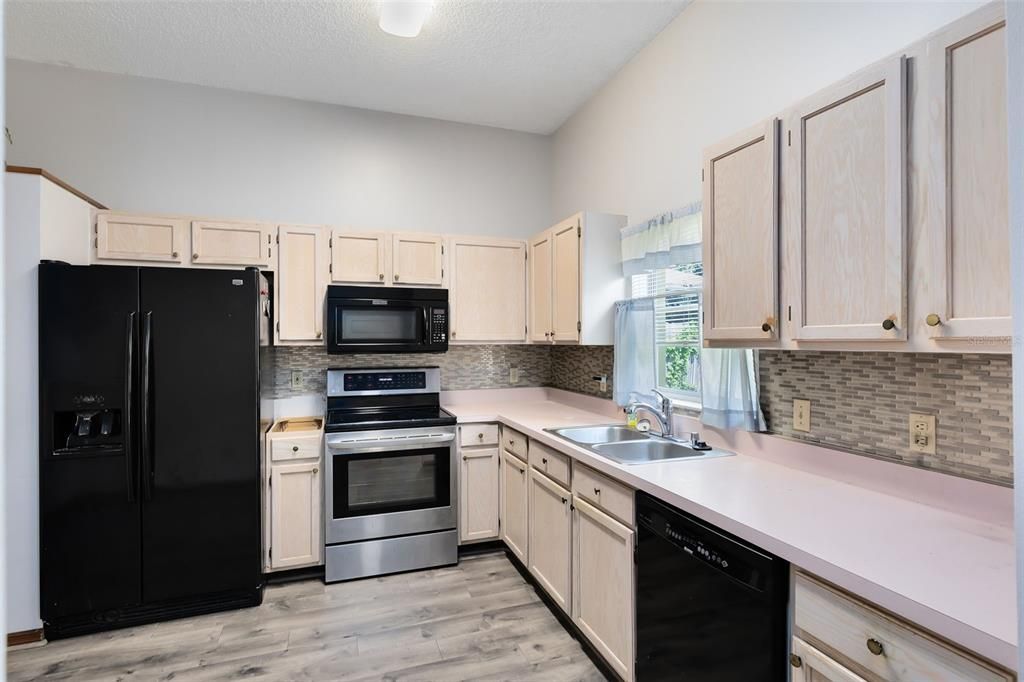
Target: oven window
column 383, row 482
column 380, row 324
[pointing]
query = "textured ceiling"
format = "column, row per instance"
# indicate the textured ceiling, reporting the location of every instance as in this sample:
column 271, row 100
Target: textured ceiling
column 524, row 65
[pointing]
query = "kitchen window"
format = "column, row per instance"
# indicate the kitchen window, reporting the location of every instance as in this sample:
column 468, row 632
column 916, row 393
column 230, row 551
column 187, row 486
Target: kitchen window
column 677, row 294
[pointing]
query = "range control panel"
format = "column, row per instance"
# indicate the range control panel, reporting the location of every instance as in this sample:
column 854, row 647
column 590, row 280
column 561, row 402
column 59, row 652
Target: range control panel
column 438, row 325
column 386, row 381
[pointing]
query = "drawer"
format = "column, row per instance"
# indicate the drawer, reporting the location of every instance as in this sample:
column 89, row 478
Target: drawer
column 514, row 442
column 296, row 447
column 550, row 461
column 606, row 494
column 872, row 643
column 478, row 434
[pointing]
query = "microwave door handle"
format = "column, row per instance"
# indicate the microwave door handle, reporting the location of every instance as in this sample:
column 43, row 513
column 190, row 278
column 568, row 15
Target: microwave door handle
column 426, row 326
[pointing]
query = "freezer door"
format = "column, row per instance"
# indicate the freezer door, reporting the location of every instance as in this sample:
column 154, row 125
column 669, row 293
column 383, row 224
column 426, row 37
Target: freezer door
column 89, row 511
column 200, row 458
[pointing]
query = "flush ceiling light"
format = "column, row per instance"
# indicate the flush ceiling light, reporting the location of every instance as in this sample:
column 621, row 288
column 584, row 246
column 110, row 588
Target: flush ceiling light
column 404, row 18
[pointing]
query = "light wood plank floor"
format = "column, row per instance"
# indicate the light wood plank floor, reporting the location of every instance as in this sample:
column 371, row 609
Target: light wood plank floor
column 478, row 620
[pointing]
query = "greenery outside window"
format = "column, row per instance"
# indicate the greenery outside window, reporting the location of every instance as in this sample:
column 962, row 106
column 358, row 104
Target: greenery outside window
column 677, row 294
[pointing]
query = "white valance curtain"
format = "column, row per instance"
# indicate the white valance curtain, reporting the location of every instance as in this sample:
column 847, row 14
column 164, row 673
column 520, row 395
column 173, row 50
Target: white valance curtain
column 669, row 239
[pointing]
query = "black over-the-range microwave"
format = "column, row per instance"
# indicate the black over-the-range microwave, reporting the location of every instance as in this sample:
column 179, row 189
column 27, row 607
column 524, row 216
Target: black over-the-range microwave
column 386, row 320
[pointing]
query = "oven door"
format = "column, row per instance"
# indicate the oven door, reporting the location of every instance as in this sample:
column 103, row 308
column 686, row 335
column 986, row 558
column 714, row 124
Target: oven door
column 376, row 325
column 391, row 482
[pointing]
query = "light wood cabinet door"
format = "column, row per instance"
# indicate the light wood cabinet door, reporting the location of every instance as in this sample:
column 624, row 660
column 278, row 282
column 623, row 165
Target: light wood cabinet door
column 811, row 665
column 565, row 281
column 541, row 254
column 301, row 282
column 139, row 237
column 417, row 259
column 969, row 169
column 849, row 149
column 488, row 289
column 514, row 505
column 358, row 257
column 603, row 584
column 478, row 494
column 228, row 243
column 550, row 530
column 295, row 511
column 740, row 225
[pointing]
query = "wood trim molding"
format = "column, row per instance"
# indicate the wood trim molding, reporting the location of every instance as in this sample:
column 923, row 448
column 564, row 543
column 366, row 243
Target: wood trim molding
column 24, row 637
column 57, row 181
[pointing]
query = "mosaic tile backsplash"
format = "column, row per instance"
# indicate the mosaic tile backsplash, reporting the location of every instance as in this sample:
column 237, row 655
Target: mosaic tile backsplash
column 861, row 402
column 573, row 368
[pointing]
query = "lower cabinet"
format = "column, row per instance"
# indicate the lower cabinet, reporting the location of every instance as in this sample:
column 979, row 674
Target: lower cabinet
column 603, row 584
column 550, row 555
column 811, row 665
column 478, row 494
column 514, row 505
column 295, row 512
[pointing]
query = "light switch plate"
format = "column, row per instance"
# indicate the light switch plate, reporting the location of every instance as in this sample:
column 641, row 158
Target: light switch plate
column 922, row 433
column 802, row 415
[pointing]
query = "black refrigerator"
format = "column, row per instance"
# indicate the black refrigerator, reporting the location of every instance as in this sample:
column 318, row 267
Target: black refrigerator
column 150, row 440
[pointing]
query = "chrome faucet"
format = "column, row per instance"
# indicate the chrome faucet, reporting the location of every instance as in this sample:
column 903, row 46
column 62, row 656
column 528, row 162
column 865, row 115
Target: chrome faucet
column 663, row 412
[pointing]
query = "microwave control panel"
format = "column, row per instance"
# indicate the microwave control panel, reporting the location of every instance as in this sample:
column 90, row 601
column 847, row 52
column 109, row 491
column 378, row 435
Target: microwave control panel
column 438, row 325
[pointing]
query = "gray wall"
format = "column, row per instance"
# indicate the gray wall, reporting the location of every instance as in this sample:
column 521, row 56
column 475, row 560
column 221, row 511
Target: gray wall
column 150, row 145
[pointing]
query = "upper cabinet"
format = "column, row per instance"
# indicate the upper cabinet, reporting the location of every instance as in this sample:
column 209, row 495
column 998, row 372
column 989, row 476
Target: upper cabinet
column 140, row 238
column 231, row 243
column 970, row 234
column 488, row 289
column 849, row 154
column 740, row 240
column 303, row 261
column 575, row 279
column 417, row 259
column 358, row 257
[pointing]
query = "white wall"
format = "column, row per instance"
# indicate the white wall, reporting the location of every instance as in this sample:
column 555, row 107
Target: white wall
column 151, row 145
column 635, row 147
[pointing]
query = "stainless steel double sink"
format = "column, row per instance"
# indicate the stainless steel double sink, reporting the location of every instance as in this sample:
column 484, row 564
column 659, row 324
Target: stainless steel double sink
column 628, row 446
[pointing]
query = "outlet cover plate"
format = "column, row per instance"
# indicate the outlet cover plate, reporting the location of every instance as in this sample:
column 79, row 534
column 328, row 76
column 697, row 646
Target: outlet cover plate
column 802, row 415
column 922, row 433
column 296, row 379
column 513, row 375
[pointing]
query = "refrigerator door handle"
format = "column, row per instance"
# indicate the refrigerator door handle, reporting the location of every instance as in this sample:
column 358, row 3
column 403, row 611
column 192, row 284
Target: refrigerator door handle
column 147, row 436
column 129, row 382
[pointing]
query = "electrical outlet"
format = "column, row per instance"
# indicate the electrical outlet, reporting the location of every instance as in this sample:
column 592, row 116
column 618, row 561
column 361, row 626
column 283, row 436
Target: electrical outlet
column 513, row 375
column 802, row 415
column 296, row 378
column 922, row 433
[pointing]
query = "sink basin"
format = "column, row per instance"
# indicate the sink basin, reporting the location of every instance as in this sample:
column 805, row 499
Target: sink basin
column 651, row 450
column 590, row 435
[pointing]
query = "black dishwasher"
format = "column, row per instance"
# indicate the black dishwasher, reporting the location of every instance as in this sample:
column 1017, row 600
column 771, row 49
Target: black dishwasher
column 709, row 606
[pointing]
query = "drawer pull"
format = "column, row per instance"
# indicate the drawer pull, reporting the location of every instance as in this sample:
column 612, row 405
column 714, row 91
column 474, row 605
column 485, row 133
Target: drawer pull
column 795, row 660
column 295, row 448
column 875, row 647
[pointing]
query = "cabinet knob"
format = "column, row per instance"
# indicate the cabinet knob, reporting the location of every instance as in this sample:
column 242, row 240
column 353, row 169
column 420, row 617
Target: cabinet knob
column 933, row 320
column 888, row 324
column 766, row 327
column 464, row 458
column 195, row 256
column 382, row 276
column 174, row 254
column 295, row 448
column 480, row 436
column 319, row 334
column 795, row 660
column 875, row 647
column 316, row 470
column 396, row 278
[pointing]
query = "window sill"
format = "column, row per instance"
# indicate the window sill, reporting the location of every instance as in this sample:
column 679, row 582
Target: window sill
column 682, row 405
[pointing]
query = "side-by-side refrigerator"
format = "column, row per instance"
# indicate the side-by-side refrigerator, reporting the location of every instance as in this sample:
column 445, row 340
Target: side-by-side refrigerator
column 149, row 462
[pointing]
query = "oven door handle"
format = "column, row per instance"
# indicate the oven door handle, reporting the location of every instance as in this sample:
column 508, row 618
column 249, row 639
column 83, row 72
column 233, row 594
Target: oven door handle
column 341, row 446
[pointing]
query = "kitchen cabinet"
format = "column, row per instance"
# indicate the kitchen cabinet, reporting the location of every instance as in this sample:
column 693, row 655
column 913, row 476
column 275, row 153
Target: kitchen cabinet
column 140, row 238
column 293, row 498
column 550, row 528
column 740, row 235
column 488, row 289
column 358, row 257
column 811, row 665
column 479, row 494
column 575, row 279
column 514, row 505
column 603, row 584
column 968, row 133
column 850, row 186
column 301, row 283
column 231, row 243
column 417, row 259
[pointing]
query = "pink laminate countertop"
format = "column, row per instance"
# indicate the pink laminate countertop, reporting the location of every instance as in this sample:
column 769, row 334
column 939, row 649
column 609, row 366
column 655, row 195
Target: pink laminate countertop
column 947, row 572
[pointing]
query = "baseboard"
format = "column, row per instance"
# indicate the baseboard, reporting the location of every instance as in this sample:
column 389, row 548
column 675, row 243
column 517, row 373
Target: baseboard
column 25, row 637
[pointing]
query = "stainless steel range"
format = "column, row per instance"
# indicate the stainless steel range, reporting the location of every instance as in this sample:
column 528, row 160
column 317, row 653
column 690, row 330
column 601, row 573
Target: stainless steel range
column 390, row 487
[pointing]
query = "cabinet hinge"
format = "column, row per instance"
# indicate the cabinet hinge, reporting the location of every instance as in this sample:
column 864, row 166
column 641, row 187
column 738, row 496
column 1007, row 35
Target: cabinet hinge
column 579, row 230
column 268, row 252
column 579, row 326
column 702, row 175
column 277, row 239
column 442, row 249
column 330, row 242
column 270, row 553
column 279, row 327
column 789, row 313
column 268, row 237
column 789, row 137
column 442, row 273
column 96, row 242
column 330, row 268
